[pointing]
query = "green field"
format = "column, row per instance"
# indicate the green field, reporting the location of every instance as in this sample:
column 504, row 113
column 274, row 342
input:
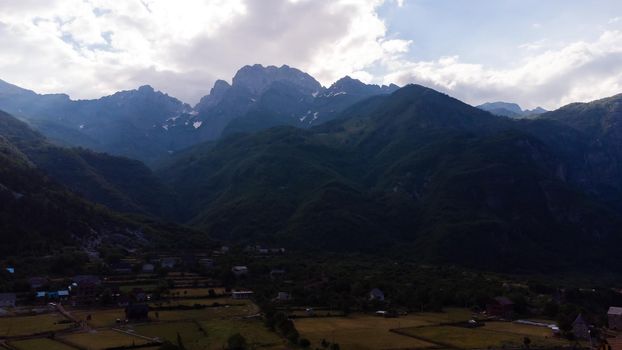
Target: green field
column 423, row 330
column 98, row 340
column 212, row 334
column 26, row 325
column 40, row 344
column 101, row 318
column 508, row 335
column 193, row 292
column 361, row 331
column 256, row 334
column 146, row 287
column 247, row 308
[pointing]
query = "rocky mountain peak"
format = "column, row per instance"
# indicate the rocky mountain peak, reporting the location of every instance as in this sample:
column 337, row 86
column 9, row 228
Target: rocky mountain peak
column 257, row 78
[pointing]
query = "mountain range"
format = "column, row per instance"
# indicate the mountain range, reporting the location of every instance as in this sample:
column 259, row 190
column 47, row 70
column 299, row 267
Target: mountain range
column 145, row 124
column 278, row 159
column 512, row 110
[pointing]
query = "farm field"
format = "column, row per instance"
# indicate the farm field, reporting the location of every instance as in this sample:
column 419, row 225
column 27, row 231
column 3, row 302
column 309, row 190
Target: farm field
column 205, row 314
column 193, row 292
column 212, row 334
column 472, row 338
column 202, row 301
column 526, row 330
column 362, row 331
column 25, row 325
column 40, row 344
column 189, row 331
column 100, row 318
column 316, row 313
column 98, row 340
column 129, row 287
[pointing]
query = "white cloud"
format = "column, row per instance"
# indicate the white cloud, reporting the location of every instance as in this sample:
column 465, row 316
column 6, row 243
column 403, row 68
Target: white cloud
column 579, row 71
column 94, row 47
column 89, row 48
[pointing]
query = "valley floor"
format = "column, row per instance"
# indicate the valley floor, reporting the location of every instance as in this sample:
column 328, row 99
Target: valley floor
column 210, row 327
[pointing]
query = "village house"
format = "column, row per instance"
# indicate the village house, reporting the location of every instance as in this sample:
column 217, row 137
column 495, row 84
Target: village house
column 122, row 268
column 283, row 296
column 148, row 268
column 138, row 295
column 53, row 295
column 241, row 294
column 168, row 263
column 376, row 294
column 500, row 307
column 7, row 299
column 614, row 318
column 84, row 288
column 37, row 282
column 92, row 279
column 580, row 328
column 239, row 270
column 206, row 263
column 123, row 300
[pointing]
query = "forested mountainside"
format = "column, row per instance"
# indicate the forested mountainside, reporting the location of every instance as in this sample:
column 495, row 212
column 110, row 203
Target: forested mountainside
column 120, row 183
column 415, row 171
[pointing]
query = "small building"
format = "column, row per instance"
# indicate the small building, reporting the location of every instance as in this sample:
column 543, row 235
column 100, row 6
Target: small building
column 7, row 299
column 386, row 314
column 242, row 294
column 37, row 282
column 137, row 312
column 614, row 318
column 206, row 263
column 138, row 295
column 122, row 268
column 90, row 279
column 84, row 288
column 500, row 307
column 168, row 263
column 123, row 300
column 239, row 270
column 376, row 294
column 10, row 270
column 148, row 268
column 283, row 296
column 63, row 294
column 580, row 328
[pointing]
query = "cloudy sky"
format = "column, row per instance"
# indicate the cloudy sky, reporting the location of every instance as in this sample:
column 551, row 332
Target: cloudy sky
column 533, row 52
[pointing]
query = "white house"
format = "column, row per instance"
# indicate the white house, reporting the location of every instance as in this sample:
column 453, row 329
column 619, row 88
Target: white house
column 149, row 268
column 376, row 294
column 283, row 296
column 239, row 270
column 614, row 316
column 168, row 263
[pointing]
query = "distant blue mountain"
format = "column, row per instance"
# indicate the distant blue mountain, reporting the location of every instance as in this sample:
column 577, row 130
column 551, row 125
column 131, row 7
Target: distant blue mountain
column 511, row 110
